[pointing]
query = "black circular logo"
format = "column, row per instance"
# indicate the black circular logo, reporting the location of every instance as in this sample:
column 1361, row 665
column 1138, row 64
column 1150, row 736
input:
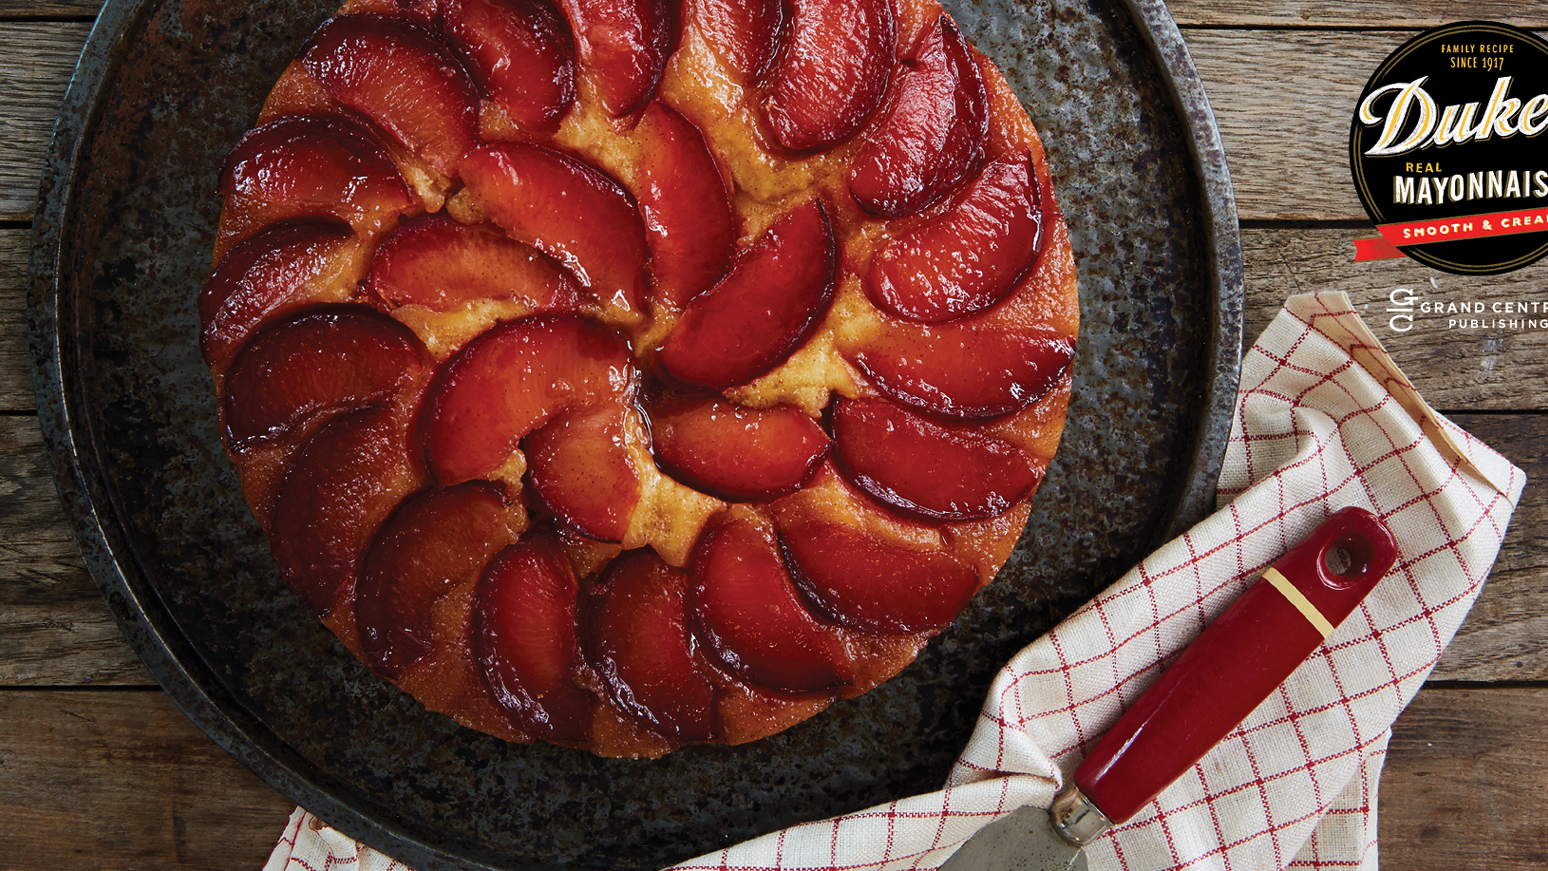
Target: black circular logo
column 1448, row 150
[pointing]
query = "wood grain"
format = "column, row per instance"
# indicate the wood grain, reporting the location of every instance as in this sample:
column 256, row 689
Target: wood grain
column 1353, row 13
column 55, row 629
column 1502, row 638
column 1283, row 101
column 1464, row 782
column 34, row 71
column 109, row 780
column 1456, row 367
column 79, row 10
column 16, row 392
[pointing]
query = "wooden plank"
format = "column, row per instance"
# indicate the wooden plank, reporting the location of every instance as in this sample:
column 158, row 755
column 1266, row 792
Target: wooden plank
column 123, row 780
column 1465, row 777
column 1353, row 13
column 16, row 392
column 77, row 10
column 1283, row 101
column 34, row 71
column 1502, row 638
column 1494, row 367
column 120, row 779
column 55, row 630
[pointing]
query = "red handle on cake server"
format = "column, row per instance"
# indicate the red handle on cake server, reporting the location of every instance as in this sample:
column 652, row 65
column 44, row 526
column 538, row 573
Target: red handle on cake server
column 1236, row 663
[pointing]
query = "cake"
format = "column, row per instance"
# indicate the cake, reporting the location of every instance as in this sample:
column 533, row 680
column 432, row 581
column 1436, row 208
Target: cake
column 626, row 375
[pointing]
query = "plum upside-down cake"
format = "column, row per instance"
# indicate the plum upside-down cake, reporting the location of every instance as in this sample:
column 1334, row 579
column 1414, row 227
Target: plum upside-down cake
column 625, row 374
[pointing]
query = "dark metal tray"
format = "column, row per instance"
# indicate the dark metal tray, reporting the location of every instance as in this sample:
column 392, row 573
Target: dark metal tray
column 123, row 234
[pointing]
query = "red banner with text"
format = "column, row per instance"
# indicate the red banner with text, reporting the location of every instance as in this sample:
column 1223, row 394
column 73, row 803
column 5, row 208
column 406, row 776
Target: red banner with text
column 1447, row 229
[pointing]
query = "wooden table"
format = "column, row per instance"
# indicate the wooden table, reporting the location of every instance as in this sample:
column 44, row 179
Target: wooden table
column 99, row 770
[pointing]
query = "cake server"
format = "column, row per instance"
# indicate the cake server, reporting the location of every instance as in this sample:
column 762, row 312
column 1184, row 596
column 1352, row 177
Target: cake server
column 1236, row 663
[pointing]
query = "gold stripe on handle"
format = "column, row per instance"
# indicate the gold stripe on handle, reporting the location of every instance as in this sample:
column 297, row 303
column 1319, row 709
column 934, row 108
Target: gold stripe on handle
column 1301, row 603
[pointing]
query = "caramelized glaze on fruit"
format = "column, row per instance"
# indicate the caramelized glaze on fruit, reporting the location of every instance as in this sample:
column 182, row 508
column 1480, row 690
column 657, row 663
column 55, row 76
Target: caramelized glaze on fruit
column 625, row 374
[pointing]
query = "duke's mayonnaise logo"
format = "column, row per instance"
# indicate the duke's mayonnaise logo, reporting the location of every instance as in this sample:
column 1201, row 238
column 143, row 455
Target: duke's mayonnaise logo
column 1446, row 150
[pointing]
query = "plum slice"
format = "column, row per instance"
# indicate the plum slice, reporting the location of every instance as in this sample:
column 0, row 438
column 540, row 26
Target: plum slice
column 971, row 256
column 752, row 620
column 403, row 77
column 580, row 468
column 435, row 540
column 426, row 12
column 926, row 468
column 769, row 302
column 318, row 164
column 624, row 46
column 339, row 487
column 637, row 639
column 971, row 369
column 511, row 380
column 439, row 263
column 334, row 357
column 264, row 275
column 522, row 54
column 567, row 209
column 686, row 205
column 736, row 453
column 872, row 585
column 931, row 130
column 832, row 72
column 525, row 641
column 745, row 34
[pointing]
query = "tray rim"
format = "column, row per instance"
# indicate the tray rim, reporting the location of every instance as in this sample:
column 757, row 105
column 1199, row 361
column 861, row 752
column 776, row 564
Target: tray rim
column 155, row 636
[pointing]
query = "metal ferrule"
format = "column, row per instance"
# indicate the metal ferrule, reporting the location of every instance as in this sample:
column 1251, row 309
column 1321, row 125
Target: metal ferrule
column 1075, row 818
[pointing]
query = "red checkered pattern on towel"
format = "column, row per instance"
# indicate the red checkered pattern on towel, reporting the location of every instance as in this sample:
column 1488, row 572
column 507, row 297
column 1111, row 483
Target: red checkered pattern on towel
column 1324, row 420
column 309, row 844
